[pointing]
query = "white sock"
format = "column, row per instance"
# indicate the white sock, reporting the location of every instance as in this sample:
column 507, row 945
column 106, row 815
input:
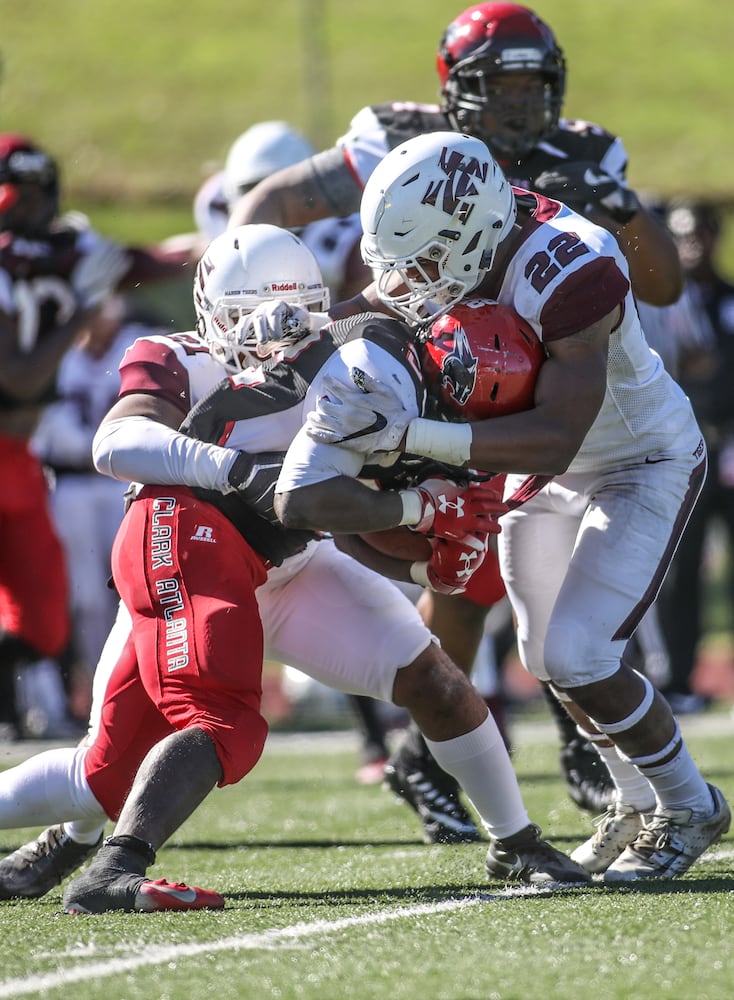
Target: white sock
column 47, row 789
column 85, row 831
column 633, row 789
column 678, row 784
column 480, row 763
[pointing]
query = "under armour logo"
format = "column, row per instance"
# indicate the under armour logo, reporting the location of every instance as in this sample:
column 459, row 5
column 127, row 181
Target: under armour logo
column 467, row 560
column 445, row 504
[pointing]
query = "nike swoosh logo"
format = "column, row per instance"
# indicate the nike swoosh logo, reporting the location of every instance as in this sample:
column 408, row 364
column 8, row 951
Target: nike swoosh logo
column 655, row 461
column 184, row 894
column 379, row 424
column 593, row 179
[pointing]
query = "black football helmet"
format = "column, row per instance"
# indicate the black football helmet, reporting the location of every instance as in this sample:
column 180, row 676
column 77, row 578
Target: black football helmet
column 482, row 45
column 29, row 186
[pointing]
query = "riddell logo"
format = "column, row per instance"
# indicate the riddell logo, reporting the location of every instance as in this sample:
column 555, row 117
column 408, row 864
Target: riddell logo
column 284, row 286
column 203, row 534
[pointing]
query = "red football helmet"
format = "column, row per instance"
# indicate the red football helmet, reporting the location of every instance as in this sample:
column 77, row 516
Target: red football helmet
column 481, row 360
column 484, row 43
column 29, row 186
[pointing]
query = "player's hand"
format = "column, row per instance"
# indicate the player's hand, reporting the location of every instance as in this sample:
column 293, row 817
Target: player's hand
column 364, row 414
column 452, row 511
column 454, row 561
column 272, row 324
column 98, row 273
column 254, row 477
column 583, row 184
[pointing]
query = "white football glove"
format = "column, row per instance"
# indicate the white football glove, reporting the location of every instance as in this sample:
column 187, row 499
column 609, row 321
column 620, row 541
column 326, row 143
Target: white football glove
column 272, row 325
column 98, row 272
column 365, row 414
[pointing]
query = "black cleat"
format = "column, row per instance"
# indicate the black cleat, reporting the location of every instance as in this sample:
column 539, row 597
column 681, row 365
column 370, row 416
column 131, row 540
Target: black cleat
column 418, row 780
column 525, row 857
column 587, row 777
column 41, row 865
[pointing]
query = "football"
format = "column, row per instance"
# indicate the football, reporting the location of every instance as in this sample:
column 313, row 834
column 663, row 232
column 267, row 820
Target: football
column 400, row 543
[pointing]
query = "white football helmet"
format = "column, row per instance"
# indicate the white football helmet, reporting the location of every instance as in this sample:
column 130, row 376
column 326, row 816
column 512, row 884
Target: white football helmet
column 243, row 268
column 433, row 213
column 259, row 152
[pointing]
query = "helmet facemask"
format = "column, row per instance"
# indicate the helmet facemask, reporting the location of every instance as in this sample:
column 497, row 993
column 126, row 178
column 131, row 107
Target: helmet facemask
column 511, row 124
column 430, row 286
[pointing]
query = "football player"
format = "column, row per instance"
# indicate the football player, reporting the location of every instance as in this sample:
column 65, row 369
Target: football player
column 584, row 557
column 55, row 271
column 200, row 563
column 262, row 150
column 503, row 78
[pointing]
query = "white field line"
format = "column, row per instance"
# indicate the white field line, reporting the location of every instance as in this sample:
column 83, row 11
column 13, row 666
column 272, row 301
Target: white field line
column 157, row 955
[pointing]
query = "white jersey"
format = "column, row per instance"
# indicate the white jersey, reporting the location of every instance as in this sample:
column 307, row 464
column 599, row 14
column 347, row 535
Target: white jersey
column 565, row 275
column 583, row 560
column 177, row 367
column 377, row 129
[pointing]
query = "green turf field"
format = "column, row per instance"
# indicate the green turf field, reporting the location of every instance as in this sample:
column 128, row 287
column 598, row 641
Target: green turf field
column 331, row 895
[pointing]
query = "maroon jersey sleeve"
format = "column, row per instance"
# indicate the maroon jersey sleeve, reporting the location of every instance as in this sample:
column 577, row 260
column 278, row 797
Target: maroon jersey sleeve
column 585, row 297
column 152, row 366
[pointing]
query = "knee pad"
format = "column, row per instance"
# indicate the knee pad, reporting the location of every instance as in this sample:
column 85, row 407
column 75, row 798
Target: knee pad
column 567, row 656
column 531, row 657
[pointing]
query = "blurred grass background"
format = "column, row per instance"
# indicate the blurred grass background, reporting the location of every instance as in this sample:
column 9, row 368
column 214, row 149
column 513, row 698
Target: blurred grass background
column 140, row 101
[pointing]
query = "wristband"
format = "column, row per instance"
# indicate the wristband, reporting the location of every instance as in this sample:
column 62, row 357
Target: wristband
column 419, row 574
column 450, row 443
column 317, row 321
column 412, row 507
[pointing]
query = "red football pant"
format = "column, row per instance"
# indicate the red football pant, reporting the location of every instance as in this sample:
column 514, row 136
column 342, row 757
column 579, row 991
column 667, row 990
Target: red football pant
column 194, row 655
column 34, row 598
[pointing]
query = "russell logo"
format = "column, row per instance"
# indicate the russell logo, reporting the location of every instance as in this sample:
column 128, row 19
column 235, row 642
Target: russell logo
column 203, row 533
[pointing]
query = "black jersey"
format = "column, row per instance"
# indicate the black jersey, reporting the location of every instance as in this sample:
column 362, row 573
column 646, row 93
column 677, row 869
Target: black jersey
column 375, row 130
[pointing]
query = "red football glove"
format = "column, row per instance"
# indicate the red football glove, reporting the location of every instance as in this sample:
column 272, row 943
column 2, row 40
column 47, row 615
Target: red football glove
column 453, row 562
column 451, row 511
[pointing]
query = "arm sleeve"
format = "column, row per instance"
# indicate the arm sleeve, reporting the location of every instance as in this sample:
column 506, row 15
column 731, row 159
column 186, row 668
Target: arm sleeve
column 145, row 451
column 338, row 185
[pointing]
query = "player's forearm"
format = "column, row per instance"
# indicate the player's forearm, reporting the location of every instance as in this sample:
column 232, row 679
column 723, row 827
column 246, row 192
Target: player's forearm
column 340, row 505
column 655, row 271
column 287, row 198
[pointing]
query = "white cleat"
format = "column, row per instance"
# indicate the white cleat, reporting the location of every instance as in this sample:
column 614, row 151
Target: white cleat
column 670, row 841
column 616, row 829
